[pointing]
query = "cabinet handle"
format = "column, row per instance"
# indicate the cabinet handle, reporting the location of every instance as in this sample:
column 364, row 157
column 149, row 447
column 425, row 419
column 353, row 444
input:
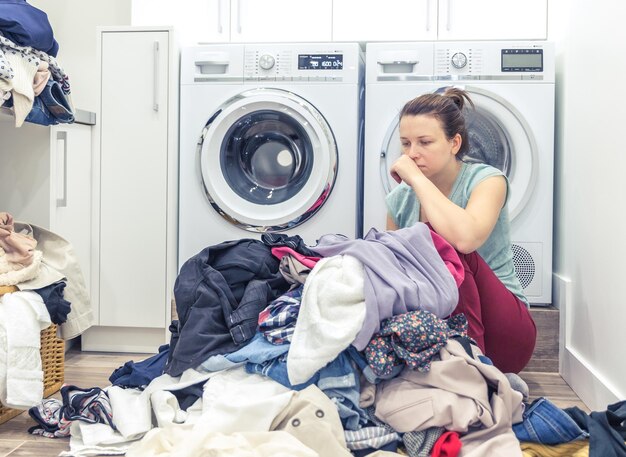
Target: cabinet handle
column 449, row 16
column 428, row 15
column 239, row 16
column 219, row 16
column 62, row 138
column 155, row 95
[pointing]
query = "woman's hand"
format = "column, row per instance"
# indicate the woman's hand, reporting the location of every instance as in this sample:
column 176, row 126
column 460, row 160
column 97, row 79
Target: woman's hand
column 405, row 170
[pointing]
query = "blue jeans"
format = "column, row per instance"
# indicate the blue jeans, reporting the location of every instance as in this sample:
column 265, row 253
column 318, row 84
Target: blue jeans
column 51, row 106
column 258, row 350
column 546, row 423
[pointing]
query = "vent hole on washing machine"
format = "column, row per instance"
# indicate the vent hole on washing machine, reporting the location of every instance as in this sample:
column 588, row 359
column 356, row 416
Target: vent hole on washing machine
column 524, row 265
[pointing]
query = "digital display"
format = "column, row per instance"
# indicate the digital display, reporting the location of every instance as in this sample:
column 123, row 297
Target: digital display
column 522, row 60
column 320, row 61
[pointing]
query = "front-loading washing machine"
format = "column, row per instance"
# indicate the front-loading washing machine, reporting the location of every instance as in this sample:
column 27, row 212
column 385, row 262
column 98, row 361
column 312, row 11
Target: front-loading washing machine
column 270, row 141
column 511, row 128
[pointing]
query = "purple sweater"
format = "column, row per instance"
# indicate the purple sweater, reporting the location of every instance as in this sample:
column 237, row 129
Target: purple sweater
column 403, row 272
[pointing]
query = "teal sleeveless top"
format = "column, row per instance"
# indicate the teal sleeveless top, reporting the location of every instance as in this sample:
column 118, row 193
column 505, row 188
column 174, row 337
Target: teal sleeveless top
column 404, row 209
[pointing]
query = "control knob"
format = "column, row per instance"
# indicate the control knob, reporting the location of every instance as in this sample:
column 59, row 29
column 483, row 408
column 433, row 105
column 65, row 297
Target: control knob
column 459, row 60
column 266, row 61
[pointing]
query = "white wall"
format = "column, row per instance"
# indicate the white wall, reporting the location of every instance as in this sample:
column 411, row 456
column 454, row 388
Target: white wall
column 74, row 24
column 590, row 214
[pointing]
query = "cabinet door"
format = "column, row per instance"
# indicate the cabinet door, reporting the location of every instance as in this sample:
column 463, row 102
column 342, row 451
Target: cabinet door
column 392, row 20
column 133, row 178
column 280, row 20
column 25, row 171
column 70, row 189
column 493, row 20
column 196, row 21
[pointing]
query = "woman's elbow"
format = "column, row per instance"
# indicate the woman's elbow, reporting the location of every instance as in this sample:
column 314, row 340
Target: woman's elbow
column 466, row 245
column 464, row 248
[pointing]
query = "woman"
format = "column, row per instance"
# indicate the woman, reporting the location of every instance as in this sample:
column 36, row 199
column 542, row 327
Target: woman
column 465, row 203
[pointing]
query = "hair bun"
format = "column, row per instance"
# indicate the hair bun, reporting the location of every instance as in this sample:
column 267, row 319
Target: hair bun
column 458, row 96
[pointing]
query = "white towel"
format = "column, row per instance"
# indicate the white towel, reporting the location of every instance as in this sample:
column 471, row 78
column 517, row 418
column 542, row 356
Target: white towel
column 331, row 314
column 23, row 315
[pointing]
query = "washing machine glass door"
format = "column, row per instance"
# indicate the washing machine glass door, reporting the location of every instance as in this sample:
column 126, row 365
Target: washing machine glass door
column 498, row 135
column 268, row 160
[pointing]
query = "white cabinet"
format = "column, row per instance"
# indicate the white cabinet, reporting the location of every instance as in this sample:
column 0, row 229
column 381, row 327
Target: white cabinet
column 195, row 21
column 418, row 20
column 211, row 21
column 493, row 20
column 45, row 179
column 280, row 20
column 391, row 20
column 136, row 189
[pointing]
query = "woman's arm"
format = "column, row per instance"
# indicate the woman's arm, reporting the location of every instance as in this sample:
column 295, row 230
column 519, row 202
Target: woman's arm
column 465, row 229
column 391, row 225
column 468, row 229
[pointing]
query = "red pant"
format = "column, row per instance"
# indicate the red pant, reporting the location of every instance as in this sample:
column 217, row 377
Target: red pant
column 500, row 322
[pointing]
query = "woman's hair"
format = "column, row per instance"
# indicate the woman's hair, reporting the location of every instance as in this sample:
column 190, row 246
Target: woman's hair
column 446, row 105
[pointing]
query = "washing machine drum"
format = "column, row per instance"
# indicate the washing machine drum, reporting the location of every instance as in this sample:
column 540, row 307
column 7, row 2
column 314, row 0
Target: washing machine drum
column 268, row 160
column 498, row 135
column 266, row 157
column 488, row 142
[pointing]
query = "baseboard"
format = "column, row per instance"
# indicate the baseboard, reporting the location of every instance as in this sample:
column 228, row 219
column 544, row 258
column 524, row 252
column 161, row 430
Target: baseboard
column 590, row 386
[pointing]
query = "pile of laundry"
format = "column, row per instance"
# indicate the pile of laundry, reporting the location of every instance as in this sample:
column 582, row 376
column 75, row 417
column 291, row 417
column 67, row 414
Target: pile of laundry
column 344, row 349
column 32, row 83
column 47, row 287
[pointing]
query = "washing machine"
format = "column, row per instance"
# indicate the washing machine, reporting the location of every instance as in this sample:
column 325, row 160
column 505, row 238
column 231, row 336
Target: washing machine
column 511, row 128
column 270, row 141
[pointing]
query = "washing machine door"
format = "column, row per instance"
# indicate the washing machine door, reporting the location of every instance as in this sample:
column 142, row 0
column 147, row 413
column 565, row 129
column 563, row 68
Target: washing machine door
column 498, row 135
column 268, row 160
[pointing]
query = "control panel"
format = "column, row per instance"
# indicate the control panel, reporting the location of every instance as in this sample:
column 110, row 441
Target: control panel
column 460, row 61
column 265, row 62
column 293, row 65
column 494, row 61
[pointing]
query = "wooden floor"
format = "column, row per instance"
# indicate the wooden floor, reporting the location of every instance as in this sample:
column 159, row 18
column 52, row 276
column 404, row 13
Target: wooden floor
column 89, row 369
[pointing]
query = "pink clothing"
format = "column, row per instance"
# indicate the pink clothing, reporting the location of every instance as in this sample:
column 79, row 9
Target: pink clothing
column 500, row 322
column 19, row 248
column 41, row 78
column 449, row 256
column 280, row 251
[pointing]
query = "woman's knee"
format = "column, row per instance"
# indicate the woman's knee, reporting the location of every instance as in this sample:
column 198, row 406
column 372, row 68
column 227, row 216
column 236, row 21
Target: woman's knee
column 512, row 348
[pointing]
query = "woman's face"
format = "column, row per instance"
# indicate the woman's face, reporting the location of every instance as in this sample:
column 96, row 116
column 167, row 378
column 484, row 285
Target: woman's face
column 423, row 140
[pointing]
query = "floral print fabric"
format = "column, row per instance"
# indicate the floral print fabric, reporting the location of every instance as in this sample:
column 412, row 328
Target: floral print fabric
column 413, row 339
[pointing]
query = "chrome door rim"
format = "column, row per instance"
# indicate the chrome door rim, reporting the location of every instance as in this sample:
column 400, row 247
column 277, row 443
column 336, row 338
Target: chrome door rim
column 308, row 201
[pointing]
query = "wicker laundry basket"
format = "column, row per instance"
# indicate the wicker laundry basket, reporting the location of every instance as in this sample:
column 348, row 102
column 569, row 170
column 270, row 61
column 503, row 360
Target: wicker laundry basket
column 52, row 361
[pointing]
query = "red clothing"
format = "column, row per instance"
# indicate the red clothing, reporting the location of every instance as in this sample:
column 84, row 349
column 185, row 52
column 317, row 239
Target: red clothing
column 448, row 445
column 500, row 322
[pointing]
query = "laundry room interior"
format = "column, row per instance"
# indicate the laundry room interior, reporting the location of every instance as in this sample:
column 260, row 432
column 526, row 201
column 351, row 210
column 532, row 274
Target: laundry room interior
column 171, row 173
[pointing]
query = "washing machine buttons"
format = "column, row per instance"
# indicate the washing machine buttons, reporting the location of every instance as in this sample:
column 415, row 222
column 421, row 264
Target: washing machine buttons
column 459, row 60
column 266, row 61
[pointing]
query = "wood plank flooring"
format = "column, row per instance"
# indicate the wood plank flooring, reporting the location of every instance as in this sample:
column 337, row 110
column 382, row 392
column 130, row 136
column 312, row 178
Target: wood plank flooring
column 91, row 369
column 82, row 369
